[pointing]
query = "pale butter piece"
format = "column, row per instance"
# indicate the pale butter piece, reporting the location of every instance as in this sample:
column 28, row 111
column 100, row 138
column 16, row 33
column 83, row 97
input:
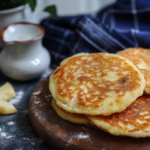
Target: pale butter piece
column 6, row 108
column 7, row 92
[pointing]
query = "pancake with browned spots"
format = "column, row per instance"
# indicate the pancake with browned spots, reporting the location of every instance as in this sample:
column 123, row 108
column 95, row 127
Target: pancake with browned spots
column 71, row 117
column 96, row 84
column 140, row 53
column 133, row 122
column 140, row 58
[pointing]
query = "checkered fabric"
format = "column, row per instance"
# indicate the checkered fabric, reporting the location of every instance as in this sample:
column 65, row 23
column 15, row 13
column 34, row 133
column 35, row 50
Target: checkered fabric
column 121, row 25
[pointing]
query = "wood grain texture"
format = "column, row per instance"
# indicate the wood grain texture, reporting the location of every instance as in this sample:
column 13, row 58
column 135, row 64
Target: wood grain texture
column 60, row 134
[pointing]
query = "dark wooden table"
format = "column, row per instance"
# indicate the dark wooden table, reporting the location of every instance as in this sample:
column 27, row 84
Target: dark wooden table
column 16, row 131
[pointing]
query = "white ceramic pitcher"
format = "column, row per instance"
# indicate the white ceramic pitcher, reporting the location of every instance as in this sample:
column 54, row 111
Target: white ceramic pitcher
column 9, row 16
column 23, row 57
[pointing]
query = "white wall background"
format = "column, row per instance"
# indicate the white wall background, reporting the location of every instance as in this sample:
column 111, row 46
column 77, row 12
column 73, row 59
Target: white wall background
column 66, row 7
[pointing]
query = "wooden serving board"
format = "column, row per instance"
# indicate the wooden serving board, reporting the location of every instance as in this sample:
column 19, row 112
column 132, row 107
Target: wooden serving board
column 63, row 135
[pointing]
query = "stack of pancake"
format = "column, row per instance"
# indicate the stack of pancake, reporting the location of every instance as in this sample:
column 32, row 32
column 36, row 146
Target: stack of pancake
column 108, row 91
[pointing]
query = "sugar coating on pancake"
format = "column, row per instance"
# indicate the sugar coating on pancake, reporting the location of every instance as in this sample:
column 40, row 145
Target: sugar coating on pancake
column 133, row 122
column 96, row 84
column 71, row 117
column 140, row 58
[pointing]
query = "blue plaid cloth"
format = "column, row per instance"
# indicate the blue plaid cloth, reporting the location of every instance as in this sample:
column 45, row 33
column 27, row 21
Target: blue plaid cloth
column 124, row 24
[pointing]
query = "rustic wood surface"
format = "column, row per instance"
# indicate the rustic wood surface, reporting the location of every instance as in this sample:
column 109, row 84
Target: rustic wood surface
column 63, row 135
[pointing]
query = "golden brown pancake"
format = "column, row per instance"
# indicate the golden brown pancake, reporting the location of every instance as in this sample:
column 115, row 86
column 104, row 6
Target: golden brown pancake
column 96, row 84
column 138, row 62
column 140, row 53
column 71, row 117
column 134, row 121
column 147, row 80
column 140, row 58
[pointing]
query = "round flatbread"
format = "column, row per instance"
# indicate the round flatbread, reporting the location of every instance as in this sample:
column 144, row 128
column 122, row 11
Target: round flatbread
column 71, row 117
column 140, row 53
column 133, row 122
column 140, row 58
column 96, row 84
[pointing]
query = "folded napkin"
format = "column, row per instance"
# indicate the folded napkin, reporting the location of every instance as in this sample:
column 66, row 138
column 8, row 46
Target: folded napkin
column 121, row 25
